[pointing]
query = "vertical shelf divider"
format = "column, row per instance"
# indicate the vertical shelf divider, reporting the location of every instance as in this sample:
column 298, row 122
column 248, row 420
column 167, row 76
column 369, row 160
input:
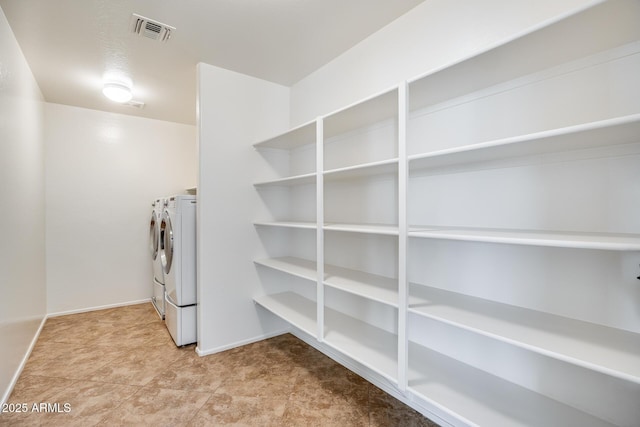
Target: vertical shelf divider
column 403, row 177
column 320, row 227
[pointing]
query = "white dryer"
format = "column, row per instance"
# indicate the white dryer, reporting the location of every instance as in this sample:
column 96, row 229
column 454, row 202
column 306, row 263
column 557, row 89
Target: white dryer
column 155, row 244
column 178, row 255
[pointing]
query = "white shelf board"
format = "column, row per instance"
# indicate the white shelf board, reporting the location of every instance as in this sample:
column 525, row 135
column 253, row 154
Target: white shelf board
column 287, row 224
column 375, row 109
column 371, row 286
column 616, row 131
column 603, row 349
column 294, row 138
column 309, row 178
column 602, row 241
column 298, row 267
column 382, row 167
column 391, row 230
column 293, row 308
column 372, row 347
column 481, row 399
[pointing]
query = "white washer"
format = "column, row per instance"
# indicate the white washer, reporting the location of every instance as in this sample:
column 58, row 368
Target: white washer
column 155, row 244
column 178, row 255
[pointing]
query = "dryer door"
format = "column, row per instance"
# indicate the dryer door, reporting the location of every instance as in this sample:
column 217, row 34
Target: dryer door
column 166, row 242
column 154, row 236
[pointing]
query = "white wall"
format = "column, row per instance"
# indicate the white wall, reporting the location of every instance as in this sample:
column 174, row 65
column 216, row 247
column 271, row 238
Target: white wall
column 234, row 111
column 102, row 172
column 22, row 248
column 435, row 33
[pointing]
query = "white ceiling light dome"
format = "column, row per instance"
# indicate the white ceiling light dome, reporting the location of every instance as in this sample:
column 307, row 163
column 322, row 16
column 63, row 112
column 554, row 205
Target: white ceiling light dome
column 117, row 92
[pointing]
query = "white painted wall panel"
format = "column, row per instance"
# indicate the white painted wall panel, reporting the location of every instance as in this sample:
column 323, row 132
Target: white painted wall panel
column 235, row 111
column 22, row 218
column 103, row 170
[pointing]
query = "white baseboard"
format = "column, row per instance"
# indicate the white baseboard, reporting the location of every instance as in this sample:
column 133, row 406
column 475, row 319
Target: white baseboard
column 16, row 375
column 96, row 308
column 207, row 352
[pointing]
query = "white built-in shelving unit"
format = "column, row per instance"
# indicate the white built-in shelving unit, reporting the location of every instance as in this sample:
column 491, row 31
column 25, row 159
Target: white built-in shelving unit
column 471, row 237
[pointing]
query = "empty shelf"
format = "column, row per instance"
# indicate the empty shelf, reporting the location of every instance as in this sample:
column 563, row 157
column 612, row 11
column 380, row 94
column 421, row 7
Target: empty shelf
column 621, row 130
column 603, row 349
column 386, row 229
column 287, row 224
column 375, row 109
column 371, row 286
column 308, row 178
column 481, row 399
column 371, row 346
column 367, row 285
column 295, row 266
column 382, row 167
column 291, row 139
column 293, row 308
column 604, row 241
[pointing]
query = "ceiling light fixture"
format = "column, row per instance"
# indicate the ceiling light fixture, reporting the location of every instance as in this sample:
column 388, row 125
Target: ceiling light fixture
column 117, row 92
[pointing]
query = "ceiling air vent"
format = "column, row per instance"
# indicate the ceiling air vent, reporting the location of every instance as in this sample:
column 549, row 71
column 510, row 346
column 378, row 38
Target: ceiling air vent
column 148, row 28
column 135, row 104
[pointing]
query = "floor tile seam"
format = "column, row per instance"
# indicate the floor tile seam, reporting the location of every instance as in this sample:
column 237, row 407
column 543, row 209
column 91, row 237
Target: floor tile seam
column 148, row 385
column 211, row 395
column 365, row 409
column 116, row 382
column 349, row 408
column 195, row 415
column 61, row 392
column 261, row 399
column 120, row 403
column 170, row 361
column 74, row 380
column 85, row 381
column 61, row 360
column 140, row 389
column 102, row 330
column 131, row 324
column 164, row 387
column 97, row 367
column 125, row 347
column 291, row 400
column 225, row 381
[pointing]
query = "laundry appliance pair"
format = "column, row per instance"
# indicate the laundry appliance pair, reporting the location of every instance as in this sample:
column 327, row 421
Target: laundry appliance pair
column 173, row 250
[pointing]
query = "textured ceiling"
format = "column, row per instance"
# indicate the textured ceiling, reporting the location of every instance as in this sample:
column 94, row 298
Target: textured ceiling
column 71, row 44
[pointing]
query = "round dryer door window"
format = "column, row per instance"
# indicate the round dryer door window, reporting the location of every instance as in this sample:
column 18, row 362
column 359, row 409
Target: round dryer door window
column 154, row 236
column 166, row 236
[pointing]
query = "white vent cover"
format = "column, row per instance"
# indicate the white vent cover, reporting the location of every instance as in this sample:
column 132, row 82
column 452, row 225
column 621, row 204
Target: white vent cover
column 135, row 104
column 153, row 30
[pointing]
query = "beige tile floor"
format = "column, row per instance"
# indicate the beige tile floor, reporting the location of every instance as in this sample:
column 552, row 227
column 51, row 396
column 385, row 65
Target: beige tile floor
column 120, row 367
